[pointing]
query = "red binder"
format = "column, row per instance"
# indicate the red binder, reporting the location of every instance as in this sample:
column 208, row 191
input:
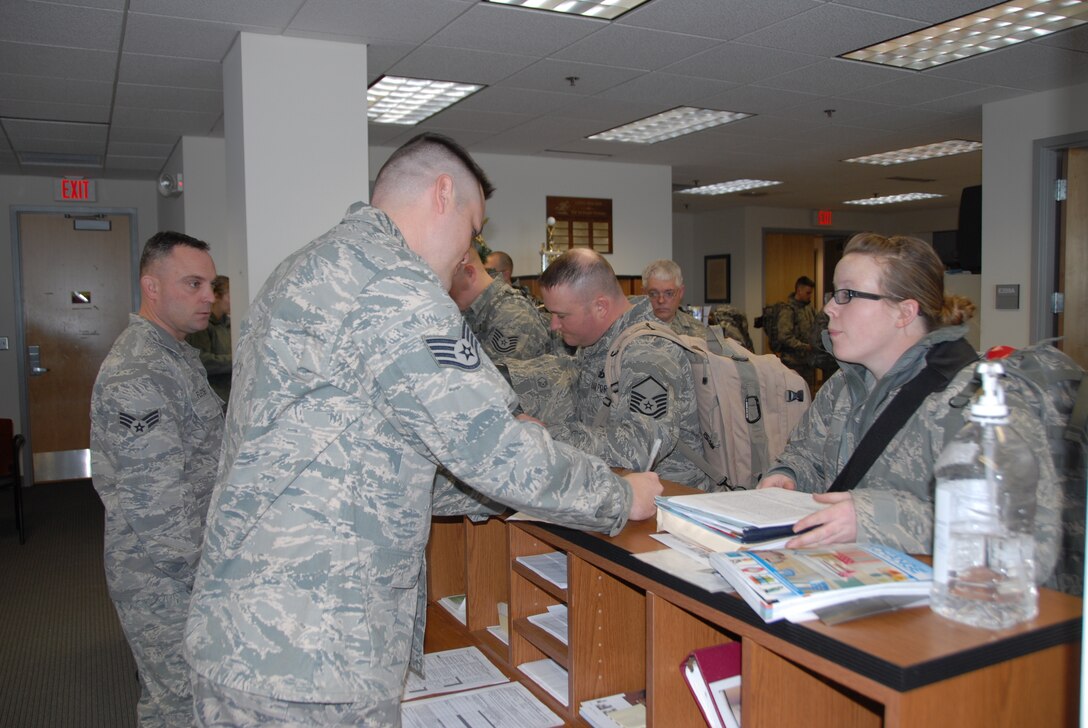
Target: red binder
column 713, row 676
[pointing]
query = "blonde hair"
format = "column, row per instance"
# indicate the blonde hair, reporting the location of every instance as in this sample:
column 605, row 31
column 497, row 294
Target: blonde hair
column 910, row 269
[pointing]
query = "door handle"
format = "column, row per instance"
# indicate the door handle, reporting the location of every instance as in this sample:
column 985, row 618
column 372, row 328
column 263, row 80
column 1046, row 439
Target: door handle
column 34, row 354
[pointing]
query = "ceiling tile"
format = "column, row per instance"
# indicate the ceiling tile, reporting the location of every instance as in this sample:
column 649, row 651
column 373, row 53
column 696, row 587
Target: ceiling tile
column 38, row 88
column 379, row 21
column 179, row 38
column 183, row 122
column 268, row 13
column 930, row 11
column 526, row 101
column 153, row 70
column 60, row 25
column 68, row 63
column 55, row 111
column 834, row 76
column 511, row 29
column 552, row 75
column 668, row 89
column 651, row 50
column 722, row 19
column 470, row 66
column 830, row 30
column 741, row 63
column 169, row 97
column 19, row 129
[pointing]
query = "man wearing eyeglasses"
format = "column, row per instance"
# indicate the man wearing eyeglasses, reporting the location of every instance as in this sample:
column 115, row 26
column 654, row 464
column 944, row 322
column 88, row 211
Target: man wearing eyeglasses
column 796, row 331
column 663, row 283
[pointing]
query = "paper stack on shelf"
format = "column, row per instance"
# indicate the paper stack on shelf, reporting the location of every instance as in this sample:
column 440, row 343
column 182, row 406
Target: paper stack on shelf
column 740, row 518
column 502, row 629
column 456, row 604
column 452, row 670
column 551, row 565
column 796, row 584
column 549, row 675
column 623, row 710
column 509, row 705
column 553, row 621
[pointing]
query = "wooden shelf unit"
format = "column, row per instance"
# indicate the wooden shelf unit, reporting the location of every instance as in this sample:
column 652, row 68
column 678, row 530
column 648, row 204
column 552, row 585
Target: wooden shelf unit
column 631, row 626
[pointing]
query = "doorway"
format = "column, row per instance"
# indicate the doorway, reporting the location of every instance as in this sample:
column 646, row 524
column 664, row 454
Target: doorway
column 75, row 271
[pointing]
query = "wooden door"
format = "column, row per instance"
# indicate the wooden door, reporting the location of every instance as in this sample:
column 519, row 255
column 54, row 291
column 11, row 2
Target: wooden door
column 76, row 296
column 1073, row 256
column 787, row 257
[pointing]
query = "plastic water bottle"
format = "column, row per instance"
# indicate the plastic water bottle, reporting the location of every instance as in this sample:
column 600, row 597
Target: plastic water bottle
column 983, row 535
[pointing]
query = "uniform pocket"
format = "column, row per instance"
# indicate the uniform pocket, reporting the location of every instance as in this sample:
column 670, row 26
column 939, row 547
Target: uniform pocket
column 393, row 581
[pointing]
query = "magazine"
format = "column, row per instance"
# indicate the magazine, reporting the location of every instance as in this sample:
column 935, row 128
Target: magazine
column 747, row 516
column 713, row 539
column 795, row 584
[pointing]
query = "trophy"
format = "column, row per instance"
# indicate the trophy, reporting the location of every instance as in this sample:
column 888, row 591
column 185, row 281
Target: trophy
column 548, row 252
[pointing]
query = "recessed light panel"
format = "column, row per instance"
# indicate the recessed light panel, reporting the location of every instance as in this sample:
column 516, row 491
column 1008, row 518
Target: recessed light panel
column 408, row 101
column 987, row 30
column 606, row 9
column 892, row 199
column 914, row 154
column 668, row 125
column 724, row 188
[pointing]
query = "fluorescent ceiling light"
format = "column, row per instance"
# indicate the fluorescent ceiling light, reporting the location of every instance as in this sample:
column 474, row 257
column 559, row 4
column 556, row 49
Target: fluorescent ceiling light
column 58, row 159
column 968, row 35
column 913, row 154
column 724, row 188
column 408, row 101
column 668, row 125
column 607, row 9
column 890, row 199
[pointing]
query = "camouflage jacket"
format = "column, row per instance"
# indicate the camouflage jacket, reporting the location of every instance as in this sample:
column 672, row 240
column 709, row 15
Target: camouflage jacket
column 156, row 430
column 656, row 400
column 507, row 324
column 894, row 501
column 215, row 353
column 686, row 324
column 355, row 376
column 796, row 323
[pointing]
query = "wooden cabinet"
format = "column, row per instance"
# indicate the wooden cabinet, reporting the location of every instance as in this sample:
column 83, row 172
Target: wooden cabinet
column 631, row 626
column 631, row 285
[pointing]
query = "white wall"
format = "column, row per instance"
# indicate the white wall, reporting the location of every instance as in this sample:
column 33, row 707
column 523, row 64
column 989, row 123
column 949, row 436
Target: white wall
column 18, row 191
column 641, row 197
column 201, row 209
column 1009, row 131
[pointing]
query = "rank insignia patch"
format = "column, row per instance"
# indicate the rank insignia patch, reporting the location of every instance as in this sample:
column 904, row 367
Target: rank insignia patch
column 139, row 424
column 463, row 353
column 501, row 343
column 649, row 397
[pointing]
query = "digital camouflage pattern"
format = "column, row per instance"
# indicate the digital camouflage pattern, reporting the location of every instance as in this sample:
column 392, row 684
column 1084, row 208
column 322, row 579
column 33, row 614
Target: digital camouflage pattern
column 686, row 324
column 795, row 333
column 657, row 400
column 894, row 501
column 215, row 354
column 355, row 376
column 156, row 431
column 507, row 324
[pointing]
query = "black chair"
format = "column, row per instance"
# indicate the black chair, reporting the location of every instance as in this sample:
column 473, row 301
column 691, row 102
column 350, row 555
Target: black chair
column 11, row 447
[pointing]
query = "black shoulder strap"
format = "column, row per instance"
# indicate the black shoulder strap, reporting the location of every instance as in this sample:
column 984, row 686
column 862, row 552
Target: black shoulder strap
column 943, row 362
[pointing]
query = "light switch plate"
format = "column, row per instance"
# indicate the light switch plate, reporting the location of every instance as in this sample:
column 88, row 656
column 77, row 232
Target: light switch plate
column 3, row 343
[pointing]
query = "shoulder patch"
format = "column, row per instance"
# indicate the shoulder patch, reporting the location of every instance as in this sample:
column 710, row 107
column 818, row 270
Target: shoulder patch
column 139, row 424
column 650, row 398
column 502, row 343
column 463, row 353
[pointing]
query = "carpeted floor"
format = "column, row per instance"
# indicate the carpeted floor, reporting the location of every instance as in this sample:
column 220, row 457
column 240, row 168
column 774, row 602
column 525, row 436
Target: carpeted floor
column 64, row 661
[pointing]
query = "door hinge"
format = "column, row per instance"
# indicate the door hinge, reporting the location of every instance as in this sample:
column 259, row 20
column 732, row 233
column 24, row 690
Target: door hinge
column 1057, row 302
column 1060, row 186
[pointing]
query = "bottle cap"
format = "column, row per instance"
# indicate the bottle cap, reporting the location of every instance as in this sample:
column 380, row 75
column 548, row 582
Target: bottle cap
column 990, row 402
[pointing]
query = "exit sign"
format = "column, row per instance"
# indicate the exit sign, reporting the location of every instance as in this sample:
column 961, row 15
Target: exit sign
column 823, row 217
column 74, row 190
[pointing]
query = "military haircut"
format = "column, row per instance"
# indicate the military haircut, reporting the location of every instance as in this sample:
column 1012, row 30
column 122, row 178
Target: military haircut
column 161, row 244
column 663, row 268
column 220, row 285
column 583, row 270
column 804, row 281
column 507, row 263
column 420, row 159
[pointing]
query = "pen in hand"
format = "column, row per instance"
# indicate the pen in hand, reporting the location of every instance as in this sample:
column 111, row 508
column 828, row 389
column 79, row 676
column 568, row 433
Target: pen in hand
column 653, row 454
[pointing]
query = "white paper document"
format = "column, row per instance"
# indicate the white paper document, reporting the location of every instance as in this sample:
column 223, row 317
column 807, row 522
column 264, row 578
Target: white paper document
column 452, row 670
column 510, row 705
column 552, row 566
column 686, row 562
column 549, row 675
column 554, row 621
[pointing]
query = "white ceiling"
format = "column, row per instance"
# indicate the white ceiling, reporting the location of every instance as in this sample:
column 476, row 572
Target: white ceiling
column 124, row 79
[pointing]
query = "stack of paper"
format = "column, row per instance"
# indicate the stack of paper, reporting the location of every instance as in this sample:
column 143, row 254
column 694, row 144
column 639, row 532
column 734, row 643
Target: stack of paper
column 551, row 565
column 549, row 675
column 623, row 710
column 796, row 584
column 742, row 517
column 553, row 621
column 457, row 605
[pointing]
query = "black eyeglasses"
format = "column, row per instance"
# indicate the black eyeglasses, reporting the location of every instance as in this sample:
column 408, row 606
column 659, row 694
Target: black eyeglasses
column 842, row 296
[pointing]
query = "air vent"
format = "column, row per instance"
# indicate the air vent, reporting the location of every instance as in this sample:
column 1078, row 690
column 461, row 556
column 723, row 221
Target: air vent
column 576, row 154
column 911, row 179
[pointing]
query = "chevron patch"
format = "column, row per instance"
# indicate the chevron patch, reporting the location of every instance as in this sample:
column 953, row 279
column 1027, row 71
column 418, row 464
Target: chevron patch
column 502, row 343
column 650, row 398
column 463, row 353
column 139, row 424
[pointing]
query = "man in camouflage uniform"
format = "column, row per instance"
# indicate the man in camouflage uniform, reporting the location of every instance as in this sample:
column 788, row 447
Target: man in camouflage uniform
column 355, row 377
column 503, row 264
column 506, row 322
column 796, row 327
column 656, row 396
column 156, row 430
column 663, row 282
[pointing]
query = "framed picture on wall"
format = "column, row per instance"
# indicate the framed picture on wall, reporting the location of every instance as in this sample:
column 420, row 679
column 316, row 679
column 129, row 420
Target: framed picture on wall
column 716, row 278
